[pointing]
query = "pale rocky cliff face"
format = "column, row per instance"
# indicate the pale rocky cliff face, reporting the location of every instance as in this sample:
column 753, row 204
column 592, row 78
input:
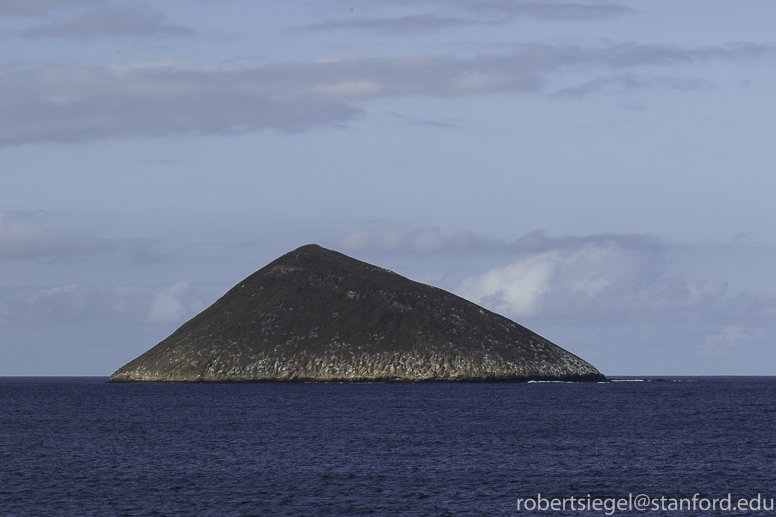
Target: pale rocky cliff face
column 318, row 315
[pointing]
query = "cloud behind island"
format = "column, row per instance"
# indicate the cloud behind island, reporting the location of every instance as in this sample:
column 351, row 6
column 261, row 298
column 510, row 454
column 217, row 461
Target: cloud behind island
column 575, row 276
column 124, row 304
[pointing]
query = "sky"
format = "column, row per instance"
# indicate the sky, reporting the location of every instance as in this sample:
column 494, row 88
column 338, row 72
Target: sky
column 600, row 171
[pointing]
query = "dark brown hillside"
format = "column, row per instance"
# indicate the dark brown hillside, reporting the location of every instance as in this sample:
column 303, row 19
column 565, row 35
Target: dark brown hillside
column 318, row 315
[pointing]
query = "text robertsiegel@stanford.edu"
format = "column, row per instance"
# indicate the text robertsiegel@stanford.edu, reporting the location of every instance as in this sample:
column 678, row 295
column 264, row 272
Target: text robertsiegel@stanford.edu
column 645, row 503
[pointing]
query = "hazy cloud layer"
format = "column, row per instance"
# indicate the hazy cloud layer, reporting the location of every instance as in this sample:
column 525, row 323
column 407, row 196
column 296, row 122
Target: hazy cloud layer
column 40, row 8
column 132, row 304
column 415, row 23
column 130, row 19
column 471, row 12
column 630, row 82
column 68, row 104
column 431, row 240
column 88, row 20
column 407, row 240
column 549, row 10
column 19, row 242
column 448, row 122
column 732, row 336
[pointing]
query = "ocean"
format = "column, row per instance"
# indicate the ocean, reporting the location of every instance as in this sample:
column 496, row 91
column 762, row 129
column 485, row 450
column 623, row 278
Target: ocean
column 85, row 447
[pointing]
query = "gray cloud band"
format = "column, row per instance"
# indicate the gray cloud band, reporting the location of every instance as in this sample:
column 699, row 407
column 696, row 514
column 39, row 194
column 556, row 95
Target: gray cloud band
column 110, row 21
column 69, row 104
column 473, row 12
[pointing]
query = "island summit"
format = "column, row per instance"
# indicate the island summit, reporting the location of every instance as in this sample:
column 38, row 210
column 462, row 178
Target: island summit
column 316, row 315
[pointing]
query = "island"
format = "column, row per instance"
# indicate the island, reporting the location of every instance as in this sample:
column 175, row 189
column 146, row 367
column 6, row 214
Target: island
column 317, row 315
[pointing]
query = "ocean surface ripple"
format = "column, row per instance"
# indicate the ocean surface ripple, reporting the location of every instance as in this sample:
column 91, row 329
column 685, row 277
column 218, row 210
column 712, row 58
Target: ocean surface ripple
column 84, row 447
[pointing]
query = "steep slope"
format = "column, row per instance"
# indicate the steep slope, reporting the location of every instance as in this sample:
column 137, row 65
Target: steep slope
column 318, row 315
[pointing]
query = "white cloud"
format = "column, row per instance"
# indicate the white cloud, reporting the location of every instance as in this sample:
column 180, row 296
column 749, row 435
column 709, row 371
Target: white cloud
column 60, row 302
column 167, row 305
column 591, row 277
column 517, row 288
column 732, row 336
column 567, row 279
column 568, row 276
column 630, row 82
column 133, row 304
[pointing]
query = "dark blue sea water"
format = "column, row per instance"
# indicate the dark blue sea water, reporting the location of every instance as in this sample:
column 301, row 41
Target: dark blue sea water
column 83, row 447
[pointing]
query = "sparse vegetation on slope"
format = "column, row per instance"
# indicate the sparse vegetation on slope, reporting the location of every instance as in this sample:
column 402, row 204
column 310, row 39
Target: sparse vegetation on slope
column 318, row 315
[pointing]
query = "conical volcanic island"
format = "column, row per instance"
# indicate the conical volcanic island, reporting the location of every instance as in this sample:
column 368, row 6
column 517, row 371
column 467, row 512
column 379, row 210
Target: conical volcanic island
column 316, row 315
